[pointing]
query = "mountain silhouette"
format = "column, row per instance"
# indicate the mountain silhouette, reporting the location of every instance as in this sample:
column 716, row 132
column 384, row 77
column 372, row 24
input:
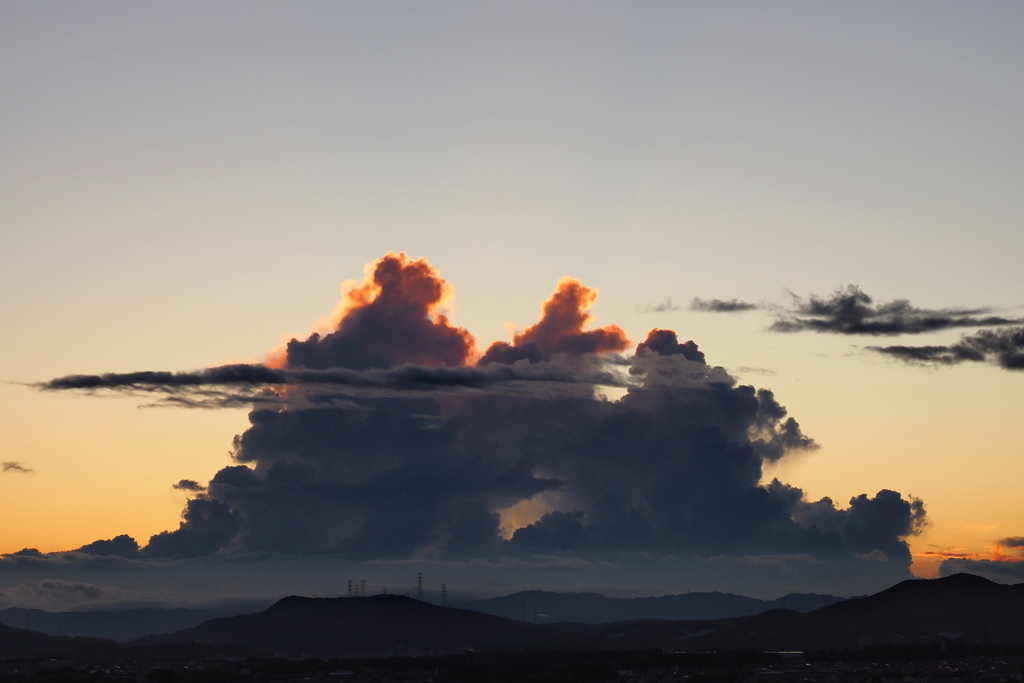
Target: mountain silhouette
column 19, row 643
column 594, row 608
column 378, row 625
column 962, row 607
column 122, row 625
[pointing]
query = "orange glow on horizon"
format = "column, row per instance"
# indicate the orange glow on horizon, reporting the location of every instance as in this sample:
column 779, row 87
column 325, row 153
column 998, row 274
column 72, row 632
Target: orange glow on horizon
column 1001, row 555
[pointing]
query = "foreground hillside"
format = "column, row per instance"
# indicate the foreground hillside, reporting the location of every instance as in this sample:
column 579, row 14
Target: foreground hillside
column 19, row 643
column 961, row 607
column 338, row 627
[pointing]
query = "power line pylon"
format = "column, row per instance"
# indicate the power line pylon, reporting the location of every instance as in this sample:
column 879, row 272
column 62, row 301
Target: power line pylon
column 444, row 595
column 419, row 586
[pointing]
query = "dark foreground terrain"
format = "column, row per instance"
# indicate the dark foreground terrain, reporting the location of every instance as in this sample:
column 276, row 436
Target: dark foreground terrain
column 957, row 628
column 979, row 664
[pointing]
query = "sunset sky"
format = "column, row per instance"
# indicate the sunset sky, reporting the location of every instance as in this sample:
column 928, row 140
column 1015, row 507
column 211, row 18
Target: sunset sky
column 187, row 185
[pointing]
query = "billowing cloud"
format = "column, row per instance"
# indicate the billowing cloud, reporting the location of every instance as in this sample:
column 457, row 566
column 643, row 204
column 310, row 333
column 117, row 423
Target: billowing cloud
column 721, row 306
column 392, row 318
column 120, row 546
column 1003, row 348
column 666, row 343
column 189, row 485
column 207, row 526
column 16, row 467
column 427, row 456
column 851, row 311
column 560, row 329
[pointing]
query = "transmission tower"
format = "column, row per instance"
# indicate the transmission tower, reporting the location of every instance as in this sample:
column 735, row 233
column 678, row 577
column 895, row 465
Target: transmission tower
column 444, row 595
column 362, row 587
column 419, row 586
column 350, row 588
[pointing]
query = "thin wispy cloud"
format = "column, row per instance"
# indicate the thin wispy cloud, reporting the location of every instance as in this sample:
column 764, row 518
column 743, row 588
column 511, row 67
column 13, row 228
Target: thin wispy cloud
column 16, row 467
column 722, row 305
column 1003, row 348
column 665, row 306
column 850, row 311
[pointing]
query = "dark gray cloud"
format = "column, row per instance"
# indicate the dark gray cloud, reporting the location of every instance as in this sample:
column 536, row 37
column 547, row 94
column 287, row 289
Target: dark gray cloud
column 15, row 466
column 120, row 546
column 189, row 485
column 79, row 590
column 666, row 343
column 207, row 526
column 674, row 466
column 366, row 446
column 851, row 311
column 722, row 306
column 1003, row 348
column 230, row 386
column 1013, row 542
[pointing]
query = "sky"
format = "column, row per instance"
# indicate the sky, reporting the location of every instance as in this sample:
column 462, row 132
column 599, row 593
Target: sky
column 187, row 186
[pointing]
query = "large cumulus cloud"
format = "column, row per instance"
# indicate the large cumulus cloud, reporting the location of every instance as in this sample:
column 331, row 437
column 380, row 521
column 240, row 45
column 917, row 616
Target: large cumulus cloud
column 390, row 319
column 398, row 471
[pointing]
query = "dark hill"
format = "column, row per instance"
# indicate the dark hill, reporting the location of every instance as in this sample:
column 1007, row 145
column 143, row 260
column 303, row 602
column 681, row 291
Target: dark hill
column 121, row 625
column 962, row 607
column 594, row 608
column 382, row 624
column 19, row 643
